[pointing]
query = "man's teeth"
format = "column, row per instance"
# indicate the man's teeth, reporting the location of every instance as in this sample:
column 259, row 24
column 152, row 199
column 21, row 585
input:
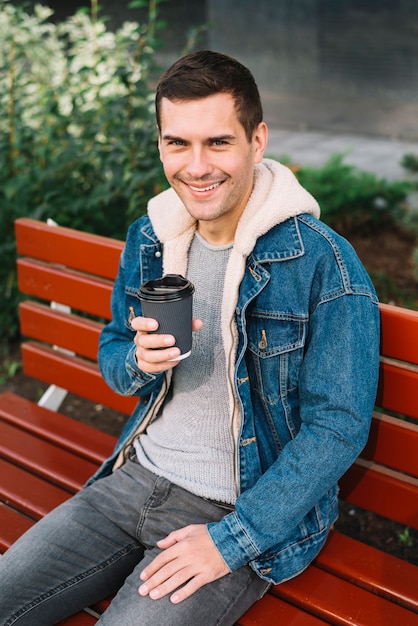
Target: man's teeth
column 205, row 188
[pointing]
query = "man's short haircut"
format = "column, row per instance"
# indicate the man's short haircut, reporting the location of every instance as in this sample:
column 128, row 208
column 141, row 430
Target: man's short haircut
column 206, row 73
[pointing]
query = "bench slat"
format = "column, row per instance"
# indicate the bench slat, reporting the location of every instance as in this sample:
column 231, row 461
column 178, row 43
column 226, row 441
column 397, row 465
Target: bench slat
column 75, row 374
column 28, row 493
column 398, row 389
column 82, row 439
column 370, row 568
column 44, row 459
column 340, row 602
column 12, row 526
column 399, row 345
column 83, row 251
column 69, row 331
column 69, row 287
column 272, row 611
column 81, row 619
column 393, row 443
column 382, row 491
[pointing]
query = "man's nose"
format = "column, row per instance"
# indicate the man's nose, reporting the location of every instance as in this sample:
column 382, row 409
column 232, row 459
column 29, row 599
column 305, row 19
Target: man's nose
column 198, row 164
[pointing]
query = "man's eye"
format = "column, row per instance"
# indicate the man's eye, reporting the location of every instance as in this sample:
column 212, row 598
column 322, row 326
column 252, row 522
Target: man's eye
column 219, row 142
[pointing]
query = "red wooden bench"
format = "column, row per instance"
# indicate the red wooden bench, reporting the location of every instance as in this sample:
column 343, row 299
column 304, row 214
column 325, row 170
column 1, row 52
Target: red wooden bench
column 45, row 456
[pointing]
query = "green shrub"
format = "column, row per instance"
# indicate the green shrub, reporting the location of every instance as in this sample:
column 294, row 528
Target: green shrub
column 410, row 162
column 352, row 199
column 78, row 141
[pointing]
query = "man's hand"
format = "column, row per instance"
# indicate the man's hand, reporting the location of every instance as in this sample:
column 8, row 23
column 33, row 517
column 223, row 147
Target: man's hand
column 189, row 556
column 155, row 352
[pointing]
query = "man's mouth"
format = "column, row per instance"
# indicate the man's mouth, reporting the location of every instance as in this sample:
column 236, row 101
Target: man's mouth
column 203, row 189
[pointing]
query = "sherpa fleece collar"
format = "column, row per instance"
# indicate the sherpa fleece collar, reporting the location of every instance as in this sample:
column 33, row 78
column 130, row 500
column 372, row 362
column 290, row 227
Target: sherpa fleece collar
column 277, row 195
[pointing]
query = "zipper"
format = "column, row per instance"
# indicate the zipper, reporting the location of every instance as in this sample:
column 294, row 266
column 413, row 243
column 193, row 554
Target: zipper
column 123, row 454
column 262, row 344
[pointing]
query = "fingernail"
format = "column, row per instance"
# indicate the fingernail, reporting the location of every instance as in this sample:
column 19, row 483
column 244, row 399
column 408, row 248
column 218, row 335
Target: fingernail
column 175, row 598
column 143, row 590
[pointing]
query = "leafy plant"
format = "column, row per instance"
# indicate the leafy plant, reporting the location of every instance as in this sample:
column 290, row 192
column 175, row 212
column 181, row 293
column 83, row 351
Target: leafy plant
column 410, row 162
column 352, row 199
column 388, row 290
column 8, row 370
column 405, row 538
column 78, row 141
column 415, row 262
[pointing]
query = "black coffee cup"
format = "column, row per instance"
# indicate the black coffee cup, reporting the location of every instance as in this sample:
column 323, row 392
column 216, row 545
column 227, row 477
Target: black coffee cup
column 169, row 300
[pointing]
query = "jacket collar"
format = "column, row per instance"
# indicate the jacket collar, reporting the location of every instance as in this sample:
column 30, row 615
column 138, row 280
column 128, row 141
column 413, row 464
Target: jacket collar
column 286, row 244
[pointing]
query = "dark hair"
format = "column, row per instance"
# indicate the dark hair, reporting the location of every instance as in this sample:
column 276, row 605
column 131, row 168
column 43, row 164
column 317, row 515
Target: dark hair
column 205, row 73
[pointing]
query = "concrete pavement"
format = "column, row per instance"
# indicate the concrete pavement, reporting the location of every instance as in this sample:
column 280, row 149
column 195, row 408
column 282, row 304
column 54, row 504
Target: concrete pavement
column 377, row 155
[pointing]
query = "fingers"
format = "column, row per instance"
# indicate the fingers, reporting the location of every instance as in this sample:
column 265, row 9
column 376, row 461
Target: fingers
column 156, row 352
column 196, row 324
column 188, row 561
column 176, row 582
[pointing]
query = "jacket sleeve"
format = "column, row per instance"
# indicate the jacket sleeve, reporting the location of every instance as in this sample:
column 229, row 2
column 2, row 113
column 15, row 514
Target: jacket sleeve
column 116, row 355
column 337, row 389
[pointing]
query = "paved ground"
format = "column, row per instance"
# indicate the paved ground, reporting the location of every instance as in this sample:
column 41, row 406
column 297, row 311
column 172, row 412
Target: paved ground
column 377, row 155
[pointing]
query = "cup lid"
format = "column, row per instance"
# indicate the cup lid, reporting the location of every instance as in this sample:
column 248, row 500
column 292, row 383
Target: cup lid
column 169, row 287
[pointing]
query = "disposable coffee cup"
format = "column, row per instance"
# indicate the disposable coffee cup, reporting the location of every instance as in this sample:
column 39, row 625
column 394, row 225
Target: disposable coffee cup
column 169, row 300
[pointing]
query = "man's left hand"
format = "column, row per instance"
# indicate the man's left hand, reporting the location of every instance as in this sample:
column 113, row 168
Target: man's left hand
column 188, row 556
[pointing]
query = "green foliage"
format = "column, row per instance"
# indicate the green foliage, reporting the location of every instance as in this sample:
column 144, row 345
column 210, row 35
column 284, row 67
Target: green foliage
column 388, row 290
column 410, row 162
column 415, row 262
column 405, row 538
column 78, row 141
column 352, row 199
column 8, row 369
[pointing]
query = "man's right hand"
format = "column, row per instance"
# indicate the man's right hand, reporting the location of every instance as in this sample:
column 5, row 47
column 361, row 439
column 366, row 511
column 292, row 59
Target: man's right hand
column 154, row 352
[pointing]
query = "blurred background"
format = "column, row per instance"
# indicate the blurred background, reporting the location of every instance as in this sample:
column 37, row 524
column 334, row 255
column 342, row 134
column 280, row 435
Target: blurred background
column 336, row 65
column 339, row 84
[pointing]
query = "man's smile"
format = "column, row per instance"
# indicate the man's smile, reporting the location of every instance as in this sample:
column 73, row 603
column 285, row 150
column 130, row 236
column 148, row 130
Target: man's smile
column 203, row 189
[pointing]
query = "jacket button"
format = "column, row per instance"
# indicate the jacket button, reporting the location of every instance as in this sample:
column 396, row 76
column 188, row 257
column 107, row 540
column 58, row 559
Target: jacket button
column 158, row 254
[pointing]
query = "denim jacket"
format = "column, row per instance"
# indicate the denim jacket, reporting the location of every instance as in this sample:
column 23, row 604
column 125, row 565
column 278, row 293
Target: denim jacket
column 304, row 369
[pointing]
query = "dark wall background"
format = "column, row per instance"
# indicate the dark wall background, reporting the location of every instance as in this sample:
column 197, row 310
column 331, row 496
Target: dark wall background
column 342, row 65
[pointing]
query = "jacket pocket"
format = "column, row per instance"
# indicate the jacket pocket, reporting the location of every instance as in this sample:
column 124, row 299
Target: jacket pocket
column 276, row 344
column 273, row 334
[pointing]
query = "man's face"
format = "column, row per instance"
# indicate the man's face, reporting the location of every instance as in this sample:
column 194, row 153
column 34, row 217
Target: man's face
column 209, row 162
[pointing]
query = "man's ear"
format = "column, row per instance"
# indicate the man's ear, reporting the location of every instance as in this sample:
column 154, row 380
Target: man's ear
column 260, row 139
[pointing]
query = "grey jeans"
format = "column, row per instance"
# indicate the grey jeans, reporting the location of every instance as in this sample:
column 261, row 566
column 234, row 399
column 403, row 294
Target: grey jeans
column 95, row 545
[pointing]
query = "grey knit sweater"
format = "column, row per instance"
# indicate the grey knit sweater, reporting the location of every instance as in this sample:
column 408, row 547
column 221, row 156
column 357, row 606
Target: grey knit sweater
column 191, row 442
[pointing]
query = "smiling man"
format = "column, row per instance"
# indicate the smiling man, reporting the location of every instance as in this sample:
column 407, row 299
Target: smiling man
column 224, row 480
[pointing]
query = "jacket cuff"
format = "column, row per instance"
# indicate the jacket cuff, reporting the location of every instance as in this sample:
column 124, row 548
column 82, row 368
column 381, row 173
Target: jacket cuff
column 138, row 377
column 233, row 543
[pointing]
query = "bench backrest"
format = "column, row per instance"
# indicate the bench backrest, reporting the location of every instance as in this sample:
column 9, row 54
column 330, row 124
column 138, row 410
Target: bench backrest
column 77, row 269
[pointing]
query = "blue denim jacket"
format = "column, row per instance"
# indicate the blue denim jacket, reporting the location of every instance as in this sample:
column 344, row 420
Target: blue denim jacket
column 305, row 377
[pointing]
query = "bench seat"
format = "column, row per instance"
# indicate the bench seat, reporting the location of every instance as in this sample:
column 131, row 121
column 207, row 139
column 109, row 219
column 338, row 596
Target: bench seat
column 346, row 573
column 45, row 456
